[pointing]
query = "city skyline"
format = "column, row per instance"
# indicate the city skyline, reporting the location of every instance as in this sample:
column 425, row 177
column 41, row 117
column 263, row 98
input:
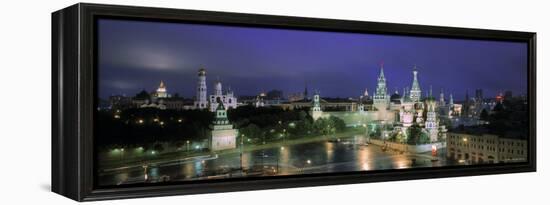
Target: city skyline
column 251, row 60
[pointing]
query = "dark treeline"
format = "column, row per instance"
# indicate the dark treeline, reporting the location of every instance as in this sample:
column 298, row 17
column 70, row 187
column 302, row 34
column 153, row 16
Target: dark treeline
column 509, row 118
column 148, row 126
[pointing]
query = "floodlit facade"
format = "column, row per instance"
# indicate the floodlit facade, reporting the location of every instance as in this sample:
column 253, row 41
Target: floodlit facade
column 223, row 136
column 227, row 98
column 485, row 148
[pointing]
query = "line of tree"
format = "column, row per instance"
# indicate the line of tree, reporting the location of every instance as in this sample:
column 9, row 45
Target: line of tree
column 146, row 127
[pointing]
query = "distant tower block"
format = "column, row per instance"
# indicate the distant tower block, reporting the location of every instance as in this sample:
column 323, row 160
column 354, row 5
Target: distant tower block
column 223, row 136
column 201, row 101
column 415, row 93
column 316, row 111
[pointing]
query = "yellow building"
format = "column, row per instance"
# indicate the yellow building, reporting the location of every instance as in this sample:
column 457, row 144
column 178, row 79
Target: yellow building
column 485, row 148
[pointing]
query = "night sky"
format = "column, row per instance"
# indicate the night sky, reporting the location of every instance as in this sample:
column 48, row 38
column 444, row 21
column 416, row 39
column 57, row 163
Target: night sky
column 136, row 55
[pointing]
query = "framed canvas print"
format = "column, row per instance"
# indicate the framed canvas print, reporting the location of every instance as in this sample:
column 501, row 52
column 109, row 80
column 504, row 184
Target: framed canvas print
column 154, row 102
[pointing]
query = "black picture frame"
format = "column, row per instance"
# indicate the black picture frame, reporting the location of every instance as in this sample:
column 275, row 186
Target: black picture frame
column 73, row 99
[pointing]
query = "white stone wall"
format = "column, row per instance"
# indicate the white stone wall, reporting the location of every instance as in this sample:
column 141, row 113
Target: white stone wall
column 224, row 139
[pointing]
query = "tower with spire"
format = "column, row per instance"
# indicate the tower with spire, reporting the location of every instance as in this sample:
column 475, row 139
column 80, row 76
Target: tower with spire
column 381, row 98
column 441, row 98
column 415, row 93
column 431, row 123
column 223, row 136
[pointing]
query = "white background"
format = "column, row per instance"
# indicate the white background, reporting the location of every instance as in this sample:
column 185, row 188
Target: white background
column 25, row 102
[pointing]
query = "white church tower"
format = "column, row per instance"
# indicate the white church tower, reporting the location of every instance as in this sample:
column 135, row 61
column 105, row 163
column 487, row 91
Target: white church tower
column 316, row 111
column 415, row 93
column 201, row 101
column 218, row 88
column 432, row 126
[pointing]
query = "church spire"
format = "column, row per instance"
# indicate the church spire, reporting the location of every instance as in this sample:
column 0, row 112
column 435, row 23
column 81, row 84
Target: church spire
column 415, row 89
column 381, row 89
column 382, row 71
column 381, row 97
column 441, row 98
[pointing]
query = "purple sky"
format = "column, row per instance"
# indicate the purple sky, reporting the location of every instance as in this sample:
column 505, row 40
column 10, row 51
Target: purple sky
column 136, row 55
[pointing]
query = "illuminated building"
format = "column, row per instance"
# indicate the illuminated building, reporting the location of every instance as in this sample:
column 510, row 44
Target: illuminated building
column 223, row 136
column 485, row 148
column 227, row 98
column 161, row 91
column 431, row 124
column 381, row 97
column 316, row 111
column 201, row 102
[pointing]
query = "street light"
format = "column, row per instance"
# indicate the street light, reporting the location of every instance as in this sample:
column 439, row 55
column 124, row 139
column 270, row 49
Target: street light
column 308, row 162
